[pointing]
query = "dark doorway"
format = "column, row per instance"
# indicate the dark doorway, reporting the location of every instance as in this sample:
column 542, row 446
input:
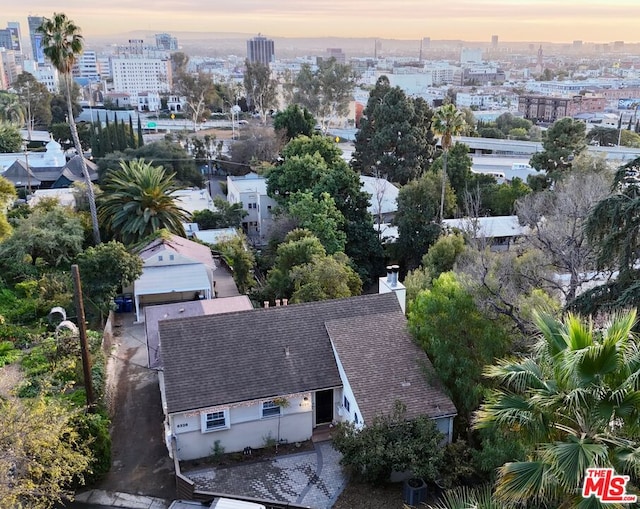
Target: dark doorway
column 324, row 406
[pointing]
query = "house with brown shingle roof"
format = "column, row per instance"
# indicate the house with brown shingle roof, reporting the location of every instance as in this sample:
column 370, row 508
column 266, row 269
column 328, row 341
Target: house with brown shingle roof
column 239, row 378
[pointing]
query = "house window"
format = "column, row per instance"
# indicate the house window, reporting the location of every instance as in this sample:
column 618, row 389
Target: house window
column 214, row 421
column 346, row 404
column 270, row 409
column 355, row 417
column 160, row 258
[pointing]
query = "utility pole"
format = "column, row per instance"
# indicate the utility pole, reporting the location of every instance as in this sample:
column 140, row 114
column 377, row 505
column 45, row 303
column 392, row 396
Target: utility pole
column 82, row 328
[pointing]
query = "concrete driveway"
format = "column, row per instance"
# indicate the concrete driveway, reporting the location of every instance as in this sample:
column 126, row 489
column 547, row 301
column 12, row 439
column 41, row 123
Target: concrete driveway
column 140, row 463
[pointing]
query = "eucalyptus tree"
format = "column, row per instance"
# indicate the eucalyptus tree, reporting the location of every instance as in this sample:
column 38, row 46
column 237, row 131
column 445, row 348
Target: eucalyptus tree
column 62, row 43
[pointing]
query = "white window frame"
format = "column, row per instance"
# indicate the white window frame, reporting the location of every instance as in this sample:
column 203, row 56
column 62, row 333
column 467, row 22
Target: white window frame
column 273, row 409
column 204, row 421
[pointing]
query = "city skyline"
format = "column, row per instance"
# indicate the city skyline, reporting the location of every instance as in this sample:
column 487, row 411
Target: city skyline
column 473, row 20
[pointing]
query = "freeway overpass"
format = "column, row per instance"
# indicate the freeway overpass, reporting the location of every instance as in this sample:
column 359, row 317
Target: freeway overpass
column 528, row 148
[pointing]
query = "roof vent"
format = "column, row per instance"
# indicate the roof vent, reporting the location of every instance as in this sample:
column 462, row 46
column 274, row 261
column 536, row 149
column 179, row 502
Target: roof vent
column 405, row 383
column 286, row 351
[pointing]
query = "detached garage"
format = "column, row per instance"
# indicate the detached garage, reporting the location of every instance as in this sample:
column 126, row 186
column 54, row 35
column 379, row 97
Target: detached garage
column 174, row 270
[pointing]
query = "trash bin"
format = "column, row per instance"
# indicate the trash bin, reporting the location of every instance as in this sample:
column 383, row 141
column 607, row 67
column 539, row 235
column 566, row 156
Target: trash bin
column 128, row 304
column 119, row 304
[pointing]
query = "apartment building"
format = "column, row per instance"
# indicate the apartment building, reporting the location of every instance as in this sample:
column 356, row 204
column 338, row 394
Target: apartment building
column 135, row 75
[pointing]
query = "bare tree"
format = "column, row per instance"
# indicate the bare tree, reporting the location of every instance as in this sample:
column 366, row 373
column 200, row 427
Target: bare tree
column 556, row 220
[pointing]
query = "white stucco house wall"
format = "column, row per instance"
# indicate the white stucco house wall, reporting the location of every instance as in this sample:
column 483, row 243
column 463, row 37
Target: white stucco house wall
column 251, row 191
column 281, row 372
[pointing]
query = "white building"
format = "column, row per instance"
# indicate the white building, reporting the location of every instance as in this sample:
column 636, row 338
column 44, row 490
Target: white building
column 135, row 75
column 251, row 191
column 86, row 66
column 45, row 74
column 383, row 201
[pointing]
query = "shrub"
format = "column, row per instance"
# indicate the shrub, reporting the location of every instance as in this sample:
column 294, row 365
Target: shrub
column 8, row 353
column 94, row 431
column 390, row 443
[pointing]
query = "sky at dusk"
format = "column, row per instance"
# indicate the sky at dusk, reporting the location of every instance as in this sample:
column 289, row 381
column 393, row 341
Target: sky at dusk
column 472, row 20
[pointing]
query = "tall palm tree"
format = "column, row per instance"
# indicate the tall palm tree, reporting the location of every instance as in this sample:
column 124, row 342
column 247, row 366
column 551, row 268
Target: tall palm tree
column 62, row 44
column 574, row 403
column 137, row 201
column 447, row 123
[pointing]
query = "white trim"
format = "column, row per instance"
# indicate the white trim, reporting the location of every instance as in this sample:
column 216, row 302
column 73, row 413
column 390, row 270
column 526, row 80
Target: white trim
column 203, row 421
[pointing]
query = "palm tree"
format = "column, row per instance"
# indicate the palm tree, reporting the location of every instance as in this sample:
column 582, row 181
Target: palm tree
column 447, row 122
column 574, row 403
column 137, row 201
column 10, row 108
column 62, row 44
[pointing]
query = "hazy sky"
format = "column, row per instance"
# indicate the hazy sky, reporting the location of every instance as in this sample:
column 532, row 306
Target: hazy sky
column 511, row 20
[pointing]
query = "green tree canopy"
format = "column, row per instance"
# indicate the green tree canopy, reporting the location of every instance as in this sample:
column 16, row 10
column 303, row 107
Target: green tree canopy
column 395, row 139
column 323, row 278
column 390, row 443
column 613, row 228
column 226, row 215
column 563, row 141
column 105, row 270
column 137, row 201
column 168, row 154
column 10, row 138
column 319, row 216
column 294, row 121
column 11, row 110
column 51, row 236
column 417, row 215
column 240, row 259
column 459, row 339
column 315, row 164
column 563, row 399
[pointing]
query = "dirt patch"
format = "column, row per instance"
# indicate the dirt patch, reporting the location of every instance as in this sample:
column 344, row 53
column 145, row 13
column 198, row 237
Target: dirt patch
column 10, row 377
column 255, row 455
column 386, row 496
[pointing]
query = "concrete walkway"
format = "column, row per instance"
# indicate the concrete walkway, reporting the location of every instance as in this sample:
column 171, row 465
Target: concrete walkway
column 124, row 500
column 312, row 478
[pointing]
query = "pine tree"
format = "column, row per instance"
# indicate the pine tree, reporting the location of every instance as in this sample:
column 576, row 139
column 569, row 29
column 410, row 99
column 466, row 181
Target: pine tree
column 95, row 142
column 131, row 143
column 122, row 136
column 140, row 138
column 107, row 136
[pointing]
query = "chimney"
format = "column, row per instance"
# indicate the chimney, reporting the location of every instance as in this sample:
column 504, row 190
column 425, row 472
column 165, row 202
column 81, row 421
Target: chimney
column 394, row 275
column 266, row 303
column 277, row 303
column 285, row 302
column 391, row 284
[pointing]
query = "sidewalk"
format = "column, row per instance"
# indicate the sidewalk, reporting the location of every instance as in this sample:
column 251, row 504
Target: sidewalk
column 124, row 500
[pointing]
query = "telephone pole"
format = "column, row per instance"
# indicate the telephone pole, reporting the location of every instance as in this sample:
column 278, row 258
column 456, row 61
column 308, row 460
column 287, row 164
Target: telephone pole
column 82, row 328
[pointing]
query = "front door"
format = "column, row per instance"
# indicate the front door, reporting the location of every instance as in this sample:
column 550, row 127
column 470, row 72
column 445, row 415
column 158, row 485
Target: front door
column 324, row 406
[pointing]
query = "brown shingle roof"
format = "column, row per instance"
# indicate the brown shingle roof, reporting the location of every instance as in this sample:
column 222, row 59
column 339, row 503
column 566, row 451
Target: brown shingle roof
column 221, row 359
column 383, row 364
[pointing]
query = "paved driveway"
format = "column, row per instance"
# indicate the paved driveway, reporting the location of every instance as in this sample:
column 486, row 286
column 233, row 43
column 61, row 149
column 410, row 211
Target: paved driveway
column 312, row 478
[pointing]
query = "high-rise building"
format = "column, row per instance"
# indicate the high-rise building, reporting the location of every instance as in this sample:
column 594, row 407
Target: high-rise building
column 260, row 49
column 86, row 66
column 36, row 39
column 10, row 40
column 338, row 54
column 135, row 75
column 166, row 42
column 494, row 42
